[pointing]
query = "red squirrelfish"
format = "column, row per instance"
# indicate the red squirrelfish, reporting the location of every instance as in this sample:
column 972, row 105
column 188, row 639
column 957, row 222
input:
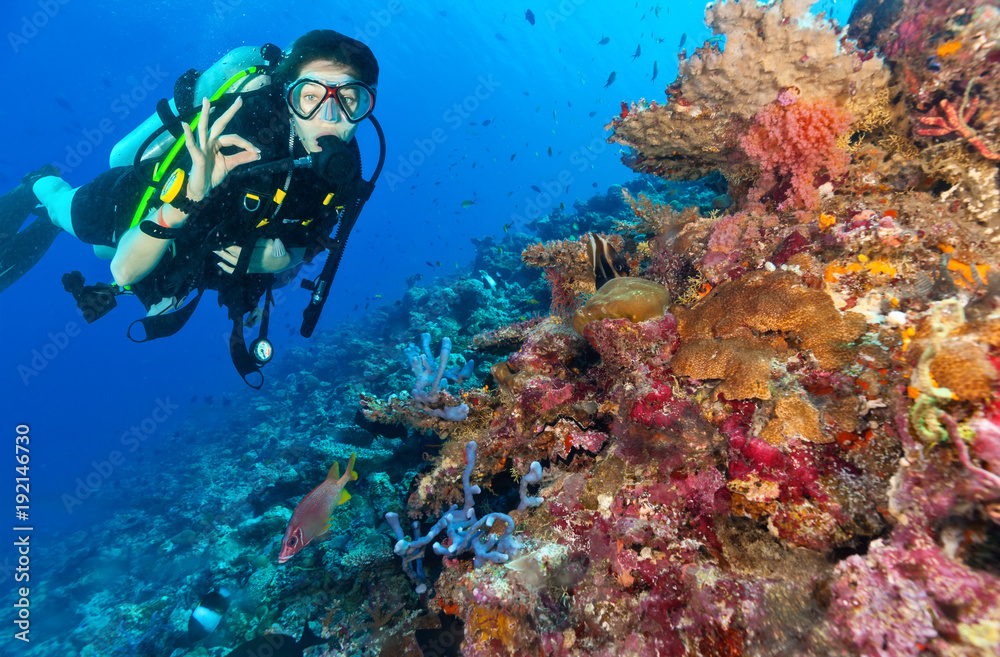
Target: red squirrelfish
column 313, row 516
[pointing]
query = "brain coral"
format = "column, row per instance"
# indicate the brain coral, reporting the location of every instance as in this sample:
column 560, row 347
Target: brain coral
column 636, row 299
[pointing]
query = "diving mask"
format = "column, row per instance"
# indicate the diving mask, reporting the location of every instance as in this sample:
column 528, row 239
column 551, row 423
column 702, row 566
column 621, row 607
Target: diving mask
column 354, row 99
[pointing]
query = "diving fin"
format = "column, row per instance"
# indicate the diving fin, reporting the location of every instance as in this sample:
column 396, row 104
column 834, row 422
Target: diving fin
column 19, row 203
column 20, row 252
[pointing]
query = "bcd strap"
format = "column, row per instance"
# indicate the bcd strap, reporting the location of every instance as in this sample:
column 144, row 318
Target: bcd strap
column 243, row 360
column 166, row 324
column 167, row 117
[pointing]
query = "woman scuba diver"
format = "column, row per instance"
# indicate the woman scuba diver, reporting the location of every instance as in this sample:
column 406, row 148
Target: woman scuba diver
column 264, row 176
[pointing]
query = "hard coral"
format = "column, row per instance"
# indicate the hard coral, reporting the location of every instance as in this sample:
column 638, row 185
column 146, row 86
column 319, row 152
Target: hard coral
column 743, row 364
column 770, row 49
column 794, row 418
column 797, row 143
column 632, row 298
column 763, row 302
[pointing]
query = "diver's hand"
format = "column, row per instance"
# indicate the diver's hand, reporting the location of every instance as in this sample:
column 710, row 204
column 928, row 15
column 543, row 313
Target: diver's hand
column 262, row 260
column 209, row 166
column 230, row 256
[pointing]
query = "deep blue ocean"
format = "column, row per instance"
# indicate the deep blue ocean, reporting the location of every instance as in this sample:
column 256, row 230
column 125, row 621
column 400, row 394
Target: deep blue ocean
column 477, row 104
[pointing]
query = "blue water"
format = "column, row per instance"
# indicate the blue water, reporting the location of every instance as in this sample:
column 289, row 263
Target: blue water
column 77, row 75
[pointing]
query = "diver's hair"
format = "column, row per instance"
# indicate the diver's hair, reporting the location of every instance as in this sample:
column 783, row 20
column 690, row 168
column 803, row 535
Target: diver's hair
column 328, row 45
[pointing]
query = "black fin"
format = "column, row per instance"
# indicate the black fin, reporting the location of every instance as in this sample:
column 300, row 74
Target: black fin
column 20, row 252
column 309, row 639
column 19, row 203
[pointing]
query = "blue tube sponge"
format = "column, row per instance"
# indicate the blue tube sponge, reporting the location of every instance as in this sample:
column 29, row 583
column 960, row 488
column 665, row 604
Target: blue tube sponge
column 462, row 527
column 428, row 386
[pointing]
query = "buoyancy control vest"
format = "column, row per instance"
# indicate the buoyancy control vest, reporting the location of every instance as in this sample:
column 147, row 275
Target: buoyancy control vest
column 290, row 194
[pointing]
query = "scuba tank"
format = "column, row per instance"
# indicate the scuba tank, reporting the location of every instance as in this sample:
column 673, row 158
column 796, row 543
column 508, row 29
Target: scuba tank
column 188, row 92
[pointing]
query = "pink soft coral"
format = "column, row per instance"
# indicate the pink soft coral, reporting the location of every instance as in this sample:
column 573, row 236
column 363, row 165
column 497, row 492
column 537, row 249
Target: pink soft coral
column 797, row 142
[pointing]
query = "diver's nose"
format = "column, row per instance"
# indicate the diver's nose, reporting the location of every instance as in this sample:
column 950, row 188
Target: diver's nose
column 330, row 111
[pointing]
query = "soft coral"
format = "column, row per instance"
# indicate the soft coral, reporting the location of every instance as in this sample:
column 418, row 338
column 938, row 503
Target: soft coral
column 797, row 142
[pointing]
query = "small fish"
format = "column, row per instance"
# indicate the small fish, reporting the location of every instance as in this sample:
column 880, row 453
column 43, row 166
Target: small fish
column 312, row 517
column 611, row 79
column 562, row 206
column 428, row 263
column 512, row 156
column 486, row 122
column 684, row 38
column 279, row 645
column 530, row 17
column 593, row 114
column 537, row 188
column 638, row 51
column 466, row 204
column 506, row 227
column 656, row 71
column 63, row 103
column 550, row 151
column 534, row 302
column 604, row 41
column 500, row 37
column 208, row 614
column 604, row 260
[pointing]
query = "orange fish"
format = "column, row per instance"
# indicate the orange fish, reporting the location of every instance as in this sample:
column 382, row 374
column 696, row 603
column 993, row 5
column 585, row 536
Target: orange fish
column 313, row 516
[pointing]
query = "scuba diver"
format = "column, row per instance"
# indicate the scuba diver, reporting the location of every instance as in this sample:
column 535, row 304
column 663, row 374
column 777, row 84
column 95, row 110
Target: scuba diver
column 234, row 180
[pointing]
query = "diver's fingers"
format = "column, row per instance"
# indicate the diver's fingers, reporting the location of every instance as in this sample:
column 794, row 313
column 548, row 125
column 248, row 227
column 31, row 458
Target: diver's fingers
column 197, row 157
column 221, row 123
column 230, row 254
column 203, row 123
column 250, row 153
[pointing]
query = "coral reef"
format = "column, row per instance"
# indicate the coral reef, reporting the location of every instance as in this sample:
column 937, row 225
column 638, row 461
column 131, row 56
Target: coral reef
column 786, row 443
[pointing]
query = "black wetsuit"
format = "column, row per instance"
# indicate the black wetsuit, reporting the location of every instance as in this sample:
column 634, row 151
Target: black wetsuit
column 234, row 215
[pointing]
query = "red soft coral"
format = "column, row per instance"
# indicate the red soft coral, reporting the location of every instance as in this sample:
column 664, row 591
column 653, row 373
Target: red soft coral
column 797, row 143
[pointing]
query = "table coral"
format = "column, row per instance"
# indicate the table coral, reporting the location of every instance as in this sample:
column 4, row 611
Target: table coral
column 773, row 48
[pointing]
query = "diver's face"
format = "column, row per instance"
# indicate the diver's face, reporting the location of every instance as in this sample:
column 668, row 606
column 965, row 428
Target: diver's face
column 329, row 120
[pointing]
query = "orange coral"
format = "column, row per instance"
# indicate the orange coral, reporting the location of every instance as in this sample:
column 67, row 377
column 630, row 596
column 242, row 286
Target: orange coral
column 762, row 302
column 794, row 418
column 962, row 364
column 743, row 364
